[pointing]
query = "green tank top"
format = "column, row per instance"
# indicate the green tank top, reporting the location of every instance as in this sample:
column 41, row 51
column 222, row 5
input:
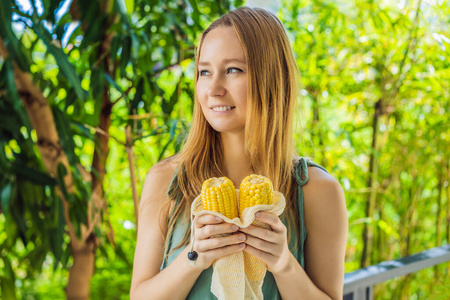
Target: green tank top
column 202, row 287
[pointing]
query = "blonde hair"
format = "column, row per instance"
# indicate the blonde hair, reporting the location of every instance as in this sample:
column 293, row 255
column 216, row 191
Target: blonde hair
column 271, row 103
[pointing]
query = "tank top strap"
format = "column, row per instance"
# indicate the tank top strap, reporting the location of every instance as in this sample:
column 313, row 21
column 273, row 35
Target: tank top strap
column 168, row 245
column 301, row 178
column 301, row 170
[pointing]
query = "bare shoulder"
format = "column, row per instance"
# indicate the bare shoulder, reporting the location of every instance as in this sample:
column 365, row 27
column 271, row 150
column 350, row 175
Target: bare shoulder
column 322, row 187
column 324, row 201
column 327, row 227
column 157, row 182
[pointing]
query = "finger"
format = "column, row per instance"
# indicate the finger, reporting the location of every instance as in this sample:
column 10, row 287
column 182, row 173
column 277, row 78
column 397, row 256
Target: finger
column 262, row 245
column 207, row 219
column 209, row 230
column 262, row 233
column 272, row 220
column 219, row 242
column 224, row 251
column 267, row 258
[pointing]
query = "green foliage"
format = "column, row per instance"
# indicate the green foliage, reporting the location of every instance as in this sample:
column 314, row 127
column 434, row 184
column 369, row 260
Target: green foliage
column 364, row 59
column 356, row 58
column 133, row 57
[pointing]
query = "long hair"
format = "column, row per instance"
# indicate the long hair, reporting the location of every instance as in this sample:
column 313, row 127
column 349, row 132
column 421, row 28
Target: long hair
column 271, row 103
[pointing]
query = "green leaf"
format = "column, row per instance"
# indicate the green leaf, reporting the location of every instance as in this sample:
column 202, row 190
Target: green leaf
column 148, row 92
column 6, row 194
column 97, row 81
column 70, row 98
column 23, row 171
column 196, row 14
column 115, row 44
column 11, row 42
column 130, row 6
column 137, row 97
column 13, row 97
column 8, row 280
column 61, row 59
column 125, row 57
column 134, row 47
column 94, row 31
column 62, row 172
column 116, row 86
column 37, row 256
column 82, row 130
column 4, row 162
column 173, row 127
column 56, row 232
column 65, row 134
column 167, row 106
column 8, row 288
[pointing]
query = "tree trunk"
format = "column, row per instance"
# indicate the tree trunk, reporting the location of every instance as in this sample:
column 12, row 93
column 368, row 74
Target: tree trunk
column 130, row 154
column 49, row 145
column 441, row 168
column 316, row 132
column 82, row 269
column 372, row 185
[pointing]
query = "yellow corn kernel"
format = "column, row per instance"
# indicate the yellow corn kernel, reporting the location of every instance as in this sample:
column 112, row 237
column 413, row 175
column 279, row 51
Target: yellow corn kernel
column 255, row 189
column 219, row 195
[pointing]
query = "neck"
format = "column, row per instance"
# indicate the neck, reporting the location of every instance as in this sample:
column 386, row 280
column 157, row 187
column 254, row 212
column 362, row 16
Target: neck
column 236, row 163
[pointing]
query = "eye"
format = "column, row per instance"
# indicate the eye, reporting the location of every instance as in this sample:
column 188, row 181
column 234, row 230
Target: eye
column 233, row 70
column 203, row 73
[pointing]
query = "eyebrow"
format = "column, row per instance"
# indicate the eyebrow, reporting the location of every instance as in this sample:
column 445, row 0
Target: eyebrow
column 227, row 60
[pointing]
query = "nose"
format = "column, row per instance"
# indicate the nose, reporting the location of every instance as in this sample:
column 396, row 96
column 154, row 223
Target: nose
column 216, row 87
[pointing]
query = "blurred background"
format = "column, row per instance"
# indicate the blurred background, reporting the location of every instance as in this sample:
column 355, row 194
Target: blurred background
column 94, row 92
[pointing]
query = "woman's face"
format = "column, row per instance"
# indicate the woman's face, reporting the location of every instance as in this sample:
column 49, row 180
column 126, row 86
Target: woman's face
column 222, row 80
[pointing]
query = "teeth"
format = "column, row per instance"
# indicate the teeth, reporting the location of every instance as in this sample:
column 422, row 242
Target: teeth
column 221, row 108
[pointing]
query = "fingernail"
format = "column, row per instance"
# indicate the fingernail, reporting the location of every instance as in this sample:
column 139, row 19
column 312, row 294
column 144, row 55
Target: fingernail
column 241, row 245
column 241, row 237
column 234, row 227
column 218, row 219
column 258, row 214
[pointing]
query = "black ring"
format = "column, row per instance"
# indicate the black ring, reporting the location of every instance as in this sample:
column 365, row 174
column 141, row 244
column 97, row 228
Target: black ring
column 192, row 255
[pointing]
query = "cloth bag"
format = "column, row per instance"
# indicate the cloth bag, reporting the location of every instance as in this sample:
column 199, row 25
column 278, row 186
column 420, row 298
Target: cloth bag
column 239, row 275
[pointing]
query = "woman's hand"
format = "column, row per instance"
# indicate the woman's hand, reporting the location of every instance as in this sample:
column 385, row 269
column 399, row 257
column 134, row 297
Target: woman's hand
column 209, row 245
column 268, row 245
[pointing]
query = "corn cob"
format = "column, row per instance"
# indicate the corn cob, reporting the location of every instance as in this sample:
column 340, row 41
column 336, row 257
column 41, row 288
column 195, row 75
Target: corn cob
column 255, row 189
column 219, row 195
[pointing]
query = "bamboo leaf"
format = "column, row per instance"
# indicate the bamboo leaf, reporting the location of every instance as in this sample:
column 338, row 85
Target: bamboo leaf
column 65, row 134
column 62, row 60
column 115, row 85
column 25, row 172
column 196, row 14
column 125, row 57
column 8, row 280
column 167, row 106
column 173, row 127
column 115, row 44
column 137, row 97
column 62, row 172
column 13, row 97
column 11, row 41
column 97, row 82
column 56, row 234
column 5, row 195
column 93, row 32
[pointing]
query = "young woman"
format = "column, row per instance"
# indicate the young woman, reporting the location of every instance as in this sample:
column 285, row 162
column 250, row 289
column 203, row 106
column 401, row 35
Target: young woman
column 246, row 94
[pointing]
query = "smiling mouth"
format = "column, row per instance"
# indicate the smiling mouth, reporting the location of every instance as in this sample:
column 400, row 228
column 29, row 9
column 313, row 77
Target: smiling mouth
column 223, row 108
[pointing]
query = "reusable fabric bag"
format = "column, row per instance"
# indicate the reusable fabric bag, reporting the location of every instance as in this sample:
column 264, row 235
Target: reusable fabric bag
column 239, row 275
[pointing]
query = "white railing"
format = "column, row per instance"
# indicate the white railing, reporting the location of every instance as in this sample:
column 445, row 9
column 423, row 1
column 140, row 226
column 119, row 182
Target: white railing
column 358, row 285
